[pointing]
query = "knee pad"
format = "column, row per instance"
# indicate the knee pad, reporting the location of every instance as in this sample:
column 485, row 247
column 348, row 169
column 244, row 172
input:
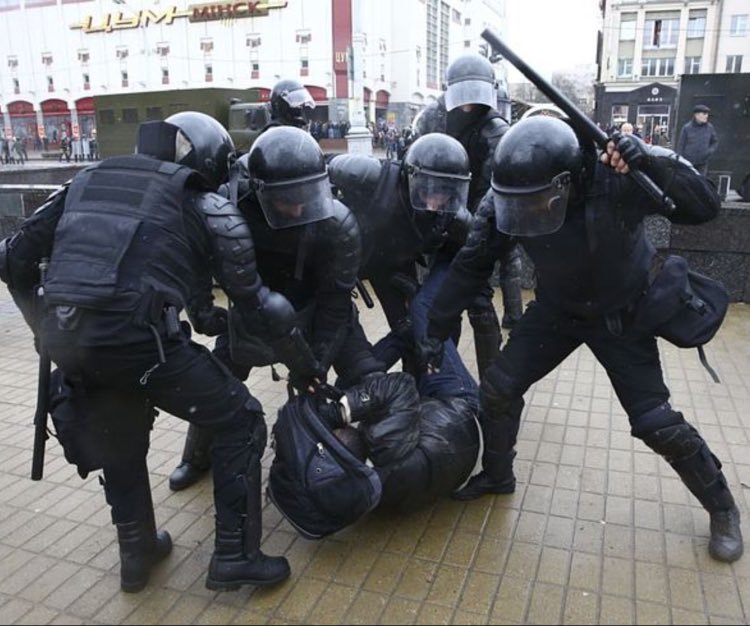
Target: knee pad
column 499, row 394
column 666, row 432
column 258, row 429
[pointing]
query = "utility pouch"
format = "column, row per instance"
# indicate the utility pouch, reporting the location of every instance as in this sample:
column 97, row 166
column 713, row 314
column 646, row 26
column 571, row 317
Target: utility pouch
column 682, row 306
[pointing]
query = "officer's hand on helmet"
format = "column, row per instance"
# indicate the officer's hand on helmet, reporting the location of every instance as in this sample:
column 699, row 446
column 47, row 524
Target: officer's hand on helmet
column 429, row 354
column 625, row 152
column 210, row 321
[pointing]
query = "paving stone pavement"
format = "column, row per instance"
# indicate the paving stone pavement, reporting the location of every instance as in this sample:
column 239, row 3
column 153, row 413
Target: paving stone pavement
column 600, row 529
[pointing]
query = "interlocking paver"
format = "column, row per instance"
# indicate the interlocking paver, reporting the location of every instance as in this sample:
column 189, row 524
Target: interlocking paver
column 600, row 529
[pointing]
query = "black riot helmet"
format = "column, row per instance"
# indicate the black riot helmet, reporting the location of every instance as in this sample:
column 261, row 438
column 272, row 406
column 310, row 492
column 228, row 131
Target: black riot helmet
column 504, row 105
column 438, row 174
column 533, row 168
column 289, row 174
column 470, row 79
column 190, row 138
column 291, row 103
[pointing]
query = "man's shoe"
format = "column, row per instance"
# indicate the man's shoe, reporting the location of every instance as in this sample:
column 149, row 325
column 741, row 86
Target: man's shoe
column 482, row 484
column 726, row 536
column 184, row 475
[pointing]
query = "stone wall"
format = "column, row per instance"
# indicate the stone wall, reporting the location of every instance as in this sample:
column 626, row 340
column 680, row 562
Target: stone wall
column 719, row 249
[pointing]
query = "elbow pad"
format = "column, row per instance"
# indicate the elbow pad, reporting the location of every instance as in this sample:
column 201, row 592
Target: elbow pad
column 277, row 313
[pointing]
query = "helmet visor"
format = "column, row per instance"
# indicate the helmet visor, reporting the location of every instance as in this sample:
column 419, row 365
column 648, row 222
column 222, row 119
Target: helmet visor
column 525, row 212
column 299, row 98
column 436, row 193
column 470, row 92
column 296, row 202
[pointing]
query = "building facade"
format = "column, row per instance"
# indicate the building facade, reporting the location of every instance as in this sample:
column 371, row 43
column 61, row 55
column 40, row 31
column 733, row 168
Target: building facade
column 55, row 55
column 646, row 45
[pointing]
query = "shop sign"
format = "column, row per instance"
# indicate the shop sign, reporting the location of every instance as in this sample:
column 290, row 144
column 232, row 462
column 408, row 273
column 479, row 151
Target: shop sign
column 194, row 13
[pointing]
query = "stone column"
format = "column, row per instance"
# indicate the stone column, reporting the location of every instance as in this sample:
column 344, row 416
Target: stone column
column 359, row 138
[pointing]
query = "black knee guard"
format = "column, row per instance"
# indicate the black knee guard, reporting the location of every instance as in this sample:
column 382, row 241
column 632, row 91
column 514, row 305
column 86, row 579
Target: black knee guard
column 500, row 408
column 666, row 432
column 235, row 458
column 487, row 334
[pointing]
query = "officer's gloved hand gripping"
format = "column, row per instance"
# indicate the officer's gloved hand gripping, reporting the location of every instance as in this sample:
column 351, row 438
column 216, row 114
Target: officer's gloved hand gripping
column 625, row 153
column 429, row 353
column 278, row 318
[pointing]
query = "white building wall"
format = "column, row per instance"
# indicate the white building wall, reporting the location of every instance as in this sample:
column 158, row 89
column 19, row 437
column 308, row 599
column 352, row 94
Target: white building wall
column 729, row 44
column 398, row 25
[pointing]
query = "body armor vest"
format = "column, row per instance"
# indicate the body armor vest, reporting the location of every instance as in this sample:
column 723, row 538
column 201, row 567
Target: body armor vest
column 121, row 243
column 389, row 236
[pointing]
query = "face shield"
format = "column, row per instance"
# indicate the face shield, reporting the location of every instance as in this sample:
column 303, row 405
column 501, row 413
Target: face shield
column 296, row 202
column 300, row 106
column 470, row 92
column 438, row 192
column 532, row 211
column 299, row 98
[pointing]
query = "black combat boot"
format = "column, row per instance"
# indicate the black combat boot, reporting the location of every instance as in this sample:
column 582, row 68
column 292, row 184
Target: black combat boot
column 141, row 548
column 499, row 419
column 232, row 565
column 702, row 475
column 237, row 559
column 500, row 481
column 196, row 459
column 726, row 536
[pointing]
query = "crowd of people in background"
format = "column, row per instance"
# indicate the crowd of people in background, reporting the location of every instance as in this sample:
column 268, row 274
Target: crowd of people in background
column 390, row 139
column 13, row 150
column 329, row 130
column 658, row 137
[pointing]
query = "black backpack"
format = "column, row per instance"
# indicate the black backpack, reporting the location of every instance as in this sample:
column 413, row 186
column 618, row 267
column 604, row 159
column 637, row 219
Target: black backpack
column 315, row 481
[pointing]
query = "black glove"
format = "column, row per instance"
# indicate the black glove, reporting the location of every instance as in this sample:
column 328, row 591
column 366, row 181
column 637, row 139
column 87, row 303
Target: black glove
column 429, row 353
column 210, row 321
column 632, row 150
column 308, row 379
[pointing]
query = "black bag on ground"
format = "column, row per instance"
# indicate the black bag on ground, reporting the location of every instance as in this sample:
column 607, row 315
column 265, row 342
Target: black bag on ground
column 315, row 481
column 682, row 306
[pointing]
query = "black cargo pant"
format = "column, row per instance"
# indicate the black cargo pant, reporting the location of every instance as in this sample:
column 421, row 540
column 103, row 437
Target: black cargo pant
column 192, row 385
column 541, row 340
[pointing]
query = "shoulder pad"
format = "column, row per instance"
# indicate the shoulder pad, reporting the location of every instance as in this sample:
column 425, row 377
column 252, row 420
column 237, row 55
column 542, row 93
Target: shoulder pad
column 494, row 127
column 211, row 203
column 222, row 217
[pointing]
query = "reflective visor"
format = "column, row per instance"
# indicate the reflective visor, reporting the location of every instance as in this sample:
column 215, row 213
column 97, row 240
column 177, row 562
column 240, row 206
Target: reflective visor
column 298, row 98
column 525, row 212
column 470, row 92
column 297, row 202
column 438, row 193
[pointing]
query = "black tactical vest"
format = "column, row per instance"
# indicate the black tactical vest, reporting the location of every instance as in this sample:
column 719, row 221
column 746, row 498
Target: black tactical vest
column 389, row 236
column 121, row 243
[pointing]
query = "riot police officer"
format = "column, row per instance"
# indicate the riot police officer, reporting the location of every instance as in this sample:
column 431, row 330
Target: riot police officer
column 291, row 104
column 128, row 241
column 466, row 111
column 307, row 247
column 406, row 211
column 581, row 222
